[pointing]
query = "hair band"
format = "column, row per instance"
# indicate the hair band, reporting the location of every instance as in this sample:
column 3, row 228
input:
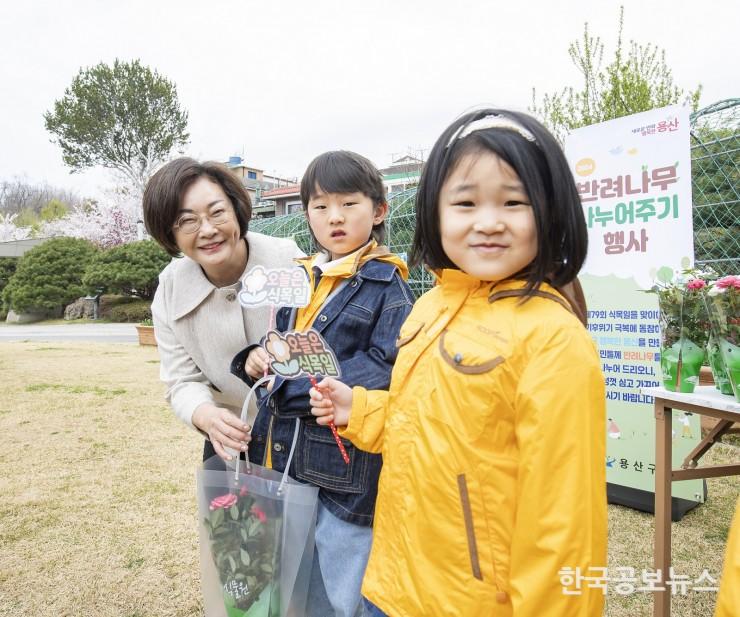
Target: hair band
column 493, row 121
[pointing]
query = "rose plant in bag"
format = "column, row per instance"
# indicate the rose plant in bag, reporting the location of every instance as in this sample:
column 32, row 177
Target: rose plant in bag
column 243, row 545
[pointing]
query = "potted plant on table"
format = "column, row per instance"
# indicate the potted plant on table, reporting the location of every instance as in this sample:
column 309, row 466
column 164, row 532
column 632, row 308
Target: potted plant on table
column 722, row 298
column 684, row 327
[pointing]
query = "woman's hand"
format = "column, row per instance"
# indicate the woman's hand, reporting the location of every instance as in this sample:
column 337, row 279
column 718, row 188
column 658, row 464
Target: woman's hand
column 257, row 363
column 332, row 401
column 223, row 428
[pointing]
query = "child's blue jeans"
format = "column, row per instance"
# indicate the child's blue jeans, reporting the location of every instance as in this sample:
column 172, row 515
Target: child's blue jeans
column 339, row 561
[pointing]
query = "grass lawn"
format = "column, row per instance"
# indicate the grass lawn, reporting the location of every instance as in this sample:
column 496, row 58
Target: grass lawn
column 97, row 495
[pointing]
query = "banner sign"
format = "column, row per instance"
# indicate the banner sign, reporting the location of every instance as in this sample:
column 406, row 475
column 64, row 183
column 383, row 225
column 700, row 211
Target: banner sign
column 633, row 175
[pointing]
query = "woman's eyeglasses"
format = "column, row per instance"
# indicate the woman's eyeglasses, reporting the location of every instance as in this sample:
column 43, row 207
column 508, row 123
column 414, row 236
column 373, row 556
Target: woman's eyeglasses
column 190, row 223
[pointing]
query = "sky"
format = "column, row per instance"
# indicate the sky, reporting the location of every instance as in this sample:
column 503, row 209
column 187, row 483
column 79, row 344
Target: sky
column 280, row 81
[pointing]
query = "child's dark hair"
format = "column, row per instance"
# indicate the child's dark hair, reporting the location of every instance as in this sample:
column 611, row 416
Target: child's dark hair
column 342, row 171
column 537, row 158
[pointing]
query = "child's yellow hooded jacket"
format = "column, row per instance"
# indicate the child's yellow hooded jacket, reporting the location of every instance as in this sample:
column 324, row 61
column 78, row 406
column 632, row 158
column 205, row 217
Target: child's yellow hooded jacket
column 493, row 442
column 728, row 600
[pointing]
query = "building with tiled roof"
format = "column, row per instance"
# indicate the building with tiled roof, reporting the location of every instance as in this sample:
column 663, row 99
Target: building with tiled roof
column 402, row 173
column 283, row 200
column 257, row 182
column 275, row 196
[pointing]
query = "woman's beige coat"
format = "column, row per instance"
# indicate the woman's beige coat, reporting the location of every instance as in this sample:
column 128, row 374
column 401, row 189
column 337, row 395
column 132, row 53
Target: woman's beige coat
column 200, row 328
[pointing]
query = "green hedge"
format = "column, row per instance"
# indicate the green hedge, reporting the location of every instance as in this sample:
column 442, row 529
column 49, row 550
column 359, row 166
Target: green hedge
column 49, row 276
column 131, row 269
column 133, row 312
column 8, row 266
column 108, row 301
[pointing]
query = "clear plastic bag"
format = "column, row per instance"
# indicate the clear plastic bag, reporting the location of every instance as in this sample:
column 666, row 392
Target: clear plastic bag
column 257, row 541
column 256, row 536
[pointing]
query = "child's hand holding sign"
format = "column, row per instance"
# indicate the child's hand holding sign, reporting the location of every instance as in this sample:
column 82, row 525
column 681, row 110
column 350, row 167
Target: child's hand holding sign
column 257, row 363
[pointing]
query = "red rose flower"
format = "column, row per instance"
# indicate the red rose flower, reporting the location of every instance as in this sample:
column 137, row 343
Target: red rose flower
column 259, row 513
column 728, row 281
column 224, row 501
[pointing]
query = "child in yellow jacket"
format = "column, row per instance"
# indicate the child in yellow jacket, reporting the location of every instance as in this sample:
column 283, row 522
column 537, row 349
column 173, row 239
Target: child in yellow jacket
column 493, row 484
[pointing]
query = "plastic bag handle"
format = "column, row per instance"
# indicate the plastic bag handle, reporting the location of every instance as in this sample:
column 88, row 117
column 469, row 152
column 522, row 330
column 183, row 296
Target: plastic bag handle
column 247, row 464
column 290, row 457
column 245, row 411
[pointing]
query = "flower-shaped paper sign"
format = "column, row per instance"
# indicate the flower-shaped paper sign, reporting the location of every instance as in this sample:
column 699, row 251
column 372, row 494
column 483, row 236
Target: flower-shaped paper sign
column 253, row 292
column 279, row 351
column 255, row 279
column 300, row 354
column 277, row 347
column 275, row 287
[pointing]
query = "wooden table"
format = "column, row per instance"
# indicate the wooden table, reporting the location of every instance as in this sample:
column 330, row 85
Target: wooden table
column 705, row 401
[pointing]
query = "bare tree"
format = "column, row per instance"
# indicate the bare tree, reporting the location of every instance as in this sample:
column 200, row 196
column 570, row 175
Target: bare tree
column 18, row 194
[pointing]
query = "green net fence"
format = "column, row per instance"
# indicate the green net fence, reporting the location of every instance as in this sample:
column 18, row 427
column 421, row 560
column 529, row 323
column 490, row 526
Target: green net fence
column 715, row 160
column 715, row 171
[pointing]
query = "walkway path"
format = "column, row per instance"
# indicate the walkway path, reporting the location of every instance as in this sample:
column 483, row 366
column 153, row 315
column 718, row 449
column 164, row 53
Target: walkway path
column 104, row 332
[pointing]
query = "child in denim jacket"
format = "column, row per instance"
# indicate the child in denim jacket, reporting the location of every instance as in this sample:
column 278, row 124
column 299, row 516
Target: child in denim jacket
column 359, row 301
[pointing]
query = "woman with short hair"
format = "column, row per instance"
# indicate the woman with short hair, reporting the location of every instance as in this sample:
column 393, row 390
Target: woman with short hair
column 199, row 213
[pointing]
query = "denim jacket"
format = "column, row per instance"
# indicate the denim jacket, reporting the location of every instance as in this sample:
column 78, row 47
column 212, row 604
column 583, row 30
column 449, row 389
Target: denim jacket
column 361, row 324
